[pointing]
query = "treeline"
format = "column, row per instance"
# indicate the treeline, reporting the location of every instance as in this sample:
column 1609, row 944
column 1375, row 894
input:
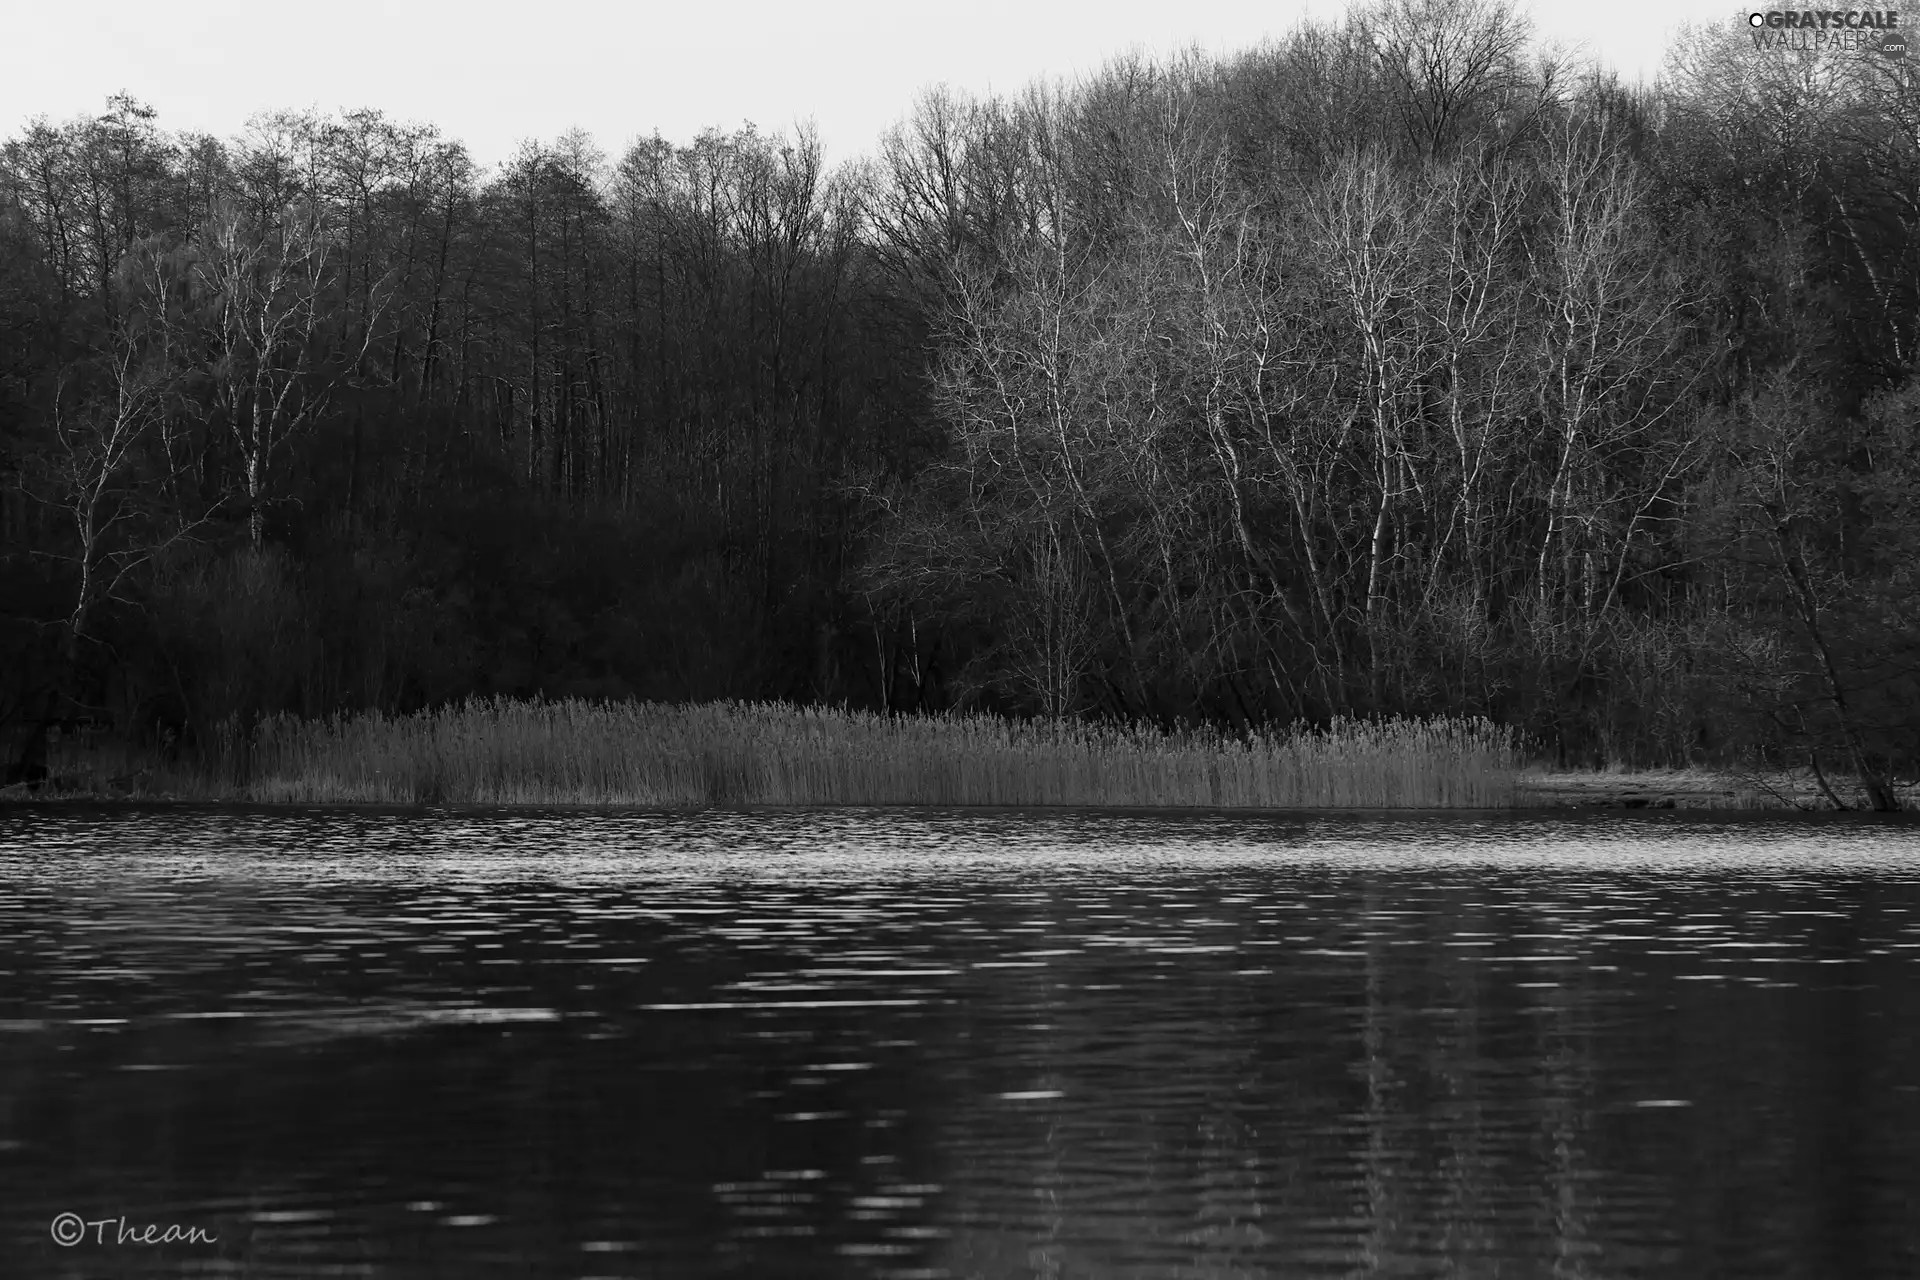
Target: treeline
column 1393, row 367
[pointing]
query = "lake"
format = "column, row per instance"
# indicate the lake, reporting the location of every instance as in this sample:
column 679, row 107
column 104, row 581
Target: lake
column 957, row 1044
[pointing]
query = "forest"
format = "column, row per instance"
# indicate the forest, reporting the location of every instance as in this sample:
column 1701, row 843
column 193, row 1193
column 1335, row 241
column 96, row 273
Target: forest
column 1398, row 366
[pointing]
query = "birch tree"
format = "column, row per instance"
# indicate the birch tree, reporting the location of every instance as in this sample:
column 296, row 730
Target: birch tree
column 105, row 469
column 266, row 330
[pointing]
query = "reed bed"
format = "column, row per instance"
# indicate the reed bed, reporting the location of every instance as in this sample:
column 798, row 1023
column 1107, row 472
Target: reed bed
column 652, row 755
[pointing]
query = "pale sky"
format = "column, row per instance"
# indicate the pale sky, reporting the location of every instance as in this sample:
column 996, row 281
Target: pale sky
column 491, row 73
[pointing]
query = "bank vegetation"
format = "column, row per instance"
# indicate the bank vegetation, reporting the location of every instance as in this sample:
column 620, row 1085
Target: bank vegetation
column 1395, row 371
column 674, row 756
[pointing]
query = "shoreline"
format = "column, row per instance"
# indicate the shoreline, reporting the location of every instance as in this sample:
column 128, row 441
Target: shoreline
column 1724, row 791
column 1536, row 790
column 605, row 756
column 695, row 756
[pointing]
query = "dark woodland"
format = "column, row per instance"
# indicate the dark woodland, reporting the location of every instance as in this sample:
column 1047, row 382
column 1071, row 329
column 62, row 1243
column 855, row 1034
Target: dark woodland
column 1395, row 367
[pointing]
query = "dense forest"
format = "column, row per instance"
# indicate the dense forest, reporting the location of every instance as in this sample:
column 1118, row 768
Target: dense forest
column 1396, row 366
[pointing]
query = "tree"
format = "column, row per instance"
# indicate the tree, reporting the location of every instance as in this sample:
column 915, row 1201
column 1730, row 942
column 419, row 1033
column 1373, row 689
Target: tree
column 107, row 473
column 272, row 346
column 1455, row 68
column 1790, row 496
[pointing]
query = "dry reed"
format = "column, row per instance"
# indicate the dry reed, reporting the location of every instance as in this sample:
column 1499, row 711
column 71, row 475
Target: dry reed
column 653, row 755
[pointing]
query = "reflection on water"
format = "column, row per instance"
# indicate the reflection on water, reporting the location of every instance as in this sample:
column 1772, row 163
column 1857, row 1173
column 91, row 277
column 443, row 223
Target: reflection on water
column 941, row 1044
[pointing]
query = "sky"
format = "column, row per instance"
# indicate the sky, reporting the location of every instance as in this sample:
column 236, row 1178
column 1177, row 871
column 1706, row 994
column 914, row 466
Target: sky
column 491, row 73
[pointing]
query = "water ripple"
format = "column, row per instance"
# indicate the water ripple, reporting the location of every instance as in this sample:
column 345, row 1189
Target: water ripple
column 964, row 1043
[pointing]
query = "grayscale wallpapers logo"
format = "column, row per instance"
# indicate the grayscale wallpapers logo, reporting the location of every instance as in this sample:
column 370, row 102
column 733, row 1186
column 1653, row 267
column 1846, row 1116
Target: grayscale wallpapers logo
column 1855, row 30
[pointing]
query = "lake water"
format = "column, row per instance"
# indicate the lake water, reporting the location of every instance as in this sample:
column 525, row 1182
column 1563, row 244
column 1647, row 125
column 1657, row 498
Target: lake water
column 904, row 1043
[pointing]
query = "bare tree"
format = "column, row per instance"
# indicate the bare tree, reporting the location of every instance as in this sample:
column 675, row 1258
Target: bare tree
column 1367, row 220
column 266, row 326
column 1787, row 505
column 103, row 471
column 1451, row 64
column 1610, row 363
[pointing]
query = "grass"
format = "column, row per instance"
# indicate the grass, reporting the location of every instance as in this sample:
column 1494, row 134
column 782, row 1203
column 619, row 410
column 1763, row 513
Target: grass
column 503, row 752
